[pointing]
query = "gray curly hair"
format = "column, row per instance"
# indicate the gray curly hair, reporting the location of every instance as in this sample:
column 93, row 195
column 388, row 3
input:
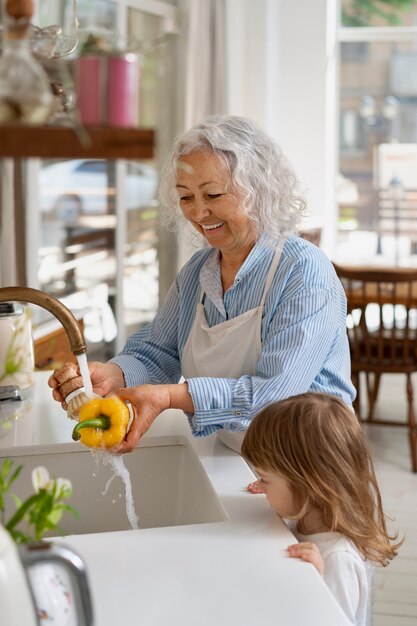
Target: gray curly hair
column 257, row 166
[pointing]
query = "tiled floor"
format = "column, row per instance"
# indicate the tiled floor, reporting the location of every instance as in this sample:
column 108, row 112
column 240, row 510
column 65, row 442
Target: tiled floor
column 396, row 585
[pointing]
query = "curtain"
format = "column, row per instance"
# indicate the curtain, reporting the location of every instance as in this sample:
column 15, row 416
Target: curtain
column 205, row 86
column 204, row 80
column 12, row 224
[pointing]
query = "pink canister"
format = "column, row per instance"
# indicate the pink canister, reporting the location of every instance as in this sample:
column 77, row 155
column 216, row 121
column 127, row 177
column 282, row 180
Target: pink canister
column 123, row 90
column 91, row 87
column 108, row 89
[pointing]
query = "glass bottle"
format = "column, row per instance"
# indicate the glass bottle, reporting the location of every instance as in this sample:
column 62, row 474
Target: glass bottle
column 25, row 92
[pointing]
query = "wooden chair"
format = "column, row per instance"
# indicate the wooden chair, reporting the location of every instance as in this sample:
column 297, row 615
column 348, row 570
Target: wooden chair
column 382, row 331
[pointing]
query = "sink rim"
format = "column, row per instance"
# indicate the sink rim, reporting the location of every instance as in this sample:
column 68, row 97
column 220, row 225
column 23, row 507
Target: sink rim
column 75, row 446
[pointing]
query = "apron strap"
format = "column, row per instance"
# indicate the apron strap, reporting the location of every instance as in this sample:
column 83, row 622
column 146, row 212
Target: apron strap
column 272, row 269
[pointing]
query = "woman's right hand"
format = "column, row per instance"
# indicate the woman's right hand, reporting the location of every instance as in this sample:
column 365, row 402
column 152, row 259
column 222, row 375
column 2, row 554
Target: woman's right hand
column 105, row 378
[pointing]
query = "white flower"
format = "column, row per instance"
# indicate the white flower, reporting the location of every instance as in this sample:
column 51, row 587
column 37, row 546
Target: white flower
column 63, row 487
column 40, row 478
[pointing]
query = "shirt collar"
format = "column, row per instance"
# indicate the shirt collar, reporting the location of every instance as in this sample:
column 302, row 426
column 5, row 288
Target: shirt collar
column 210, row 278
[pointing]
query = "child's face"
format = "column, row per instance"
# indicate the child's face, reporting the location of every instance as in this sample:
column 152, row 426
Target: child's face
column 279, row 493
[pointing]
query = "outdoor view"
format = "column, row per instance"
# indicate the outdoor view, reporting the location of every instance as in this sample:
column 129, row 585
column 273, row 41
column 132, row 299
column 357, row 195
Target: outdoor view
column 378, row 105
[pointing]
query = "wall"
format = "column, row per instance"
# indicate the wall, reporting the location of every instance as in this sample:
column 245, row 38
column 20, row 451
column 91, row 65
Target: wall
column 281, row 72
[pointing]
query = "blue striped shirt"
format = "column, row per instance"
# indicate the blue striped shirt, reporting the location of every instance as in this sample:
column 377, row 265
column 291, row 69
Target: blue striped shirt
column 304, row 340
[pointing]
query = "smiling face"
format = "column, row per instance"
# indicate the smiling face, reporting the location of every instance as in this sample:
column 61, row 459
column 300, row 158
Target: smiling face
column 209, row 202
column 279, row 493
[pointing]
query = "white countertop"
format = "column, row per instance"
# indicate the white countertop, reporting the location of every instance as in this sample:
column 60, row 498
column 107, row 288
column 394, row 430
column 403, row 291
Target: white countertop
column 225, row 573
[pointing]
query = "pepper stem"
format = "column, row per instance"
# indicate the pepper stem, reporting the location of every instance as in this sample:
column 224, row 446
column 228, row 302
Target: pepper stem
column 101, row 423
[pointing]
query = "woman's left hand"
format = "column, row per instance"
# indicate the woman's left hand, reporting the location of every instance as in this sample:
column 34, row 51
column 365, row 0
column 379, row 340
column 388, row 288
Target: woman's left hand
column 308, row 552
column 147, row 401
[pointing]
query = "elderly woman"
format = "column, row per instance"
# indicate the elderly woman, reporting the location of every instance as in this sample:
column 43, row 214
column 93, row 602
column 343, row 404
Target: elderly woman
column 255, row 316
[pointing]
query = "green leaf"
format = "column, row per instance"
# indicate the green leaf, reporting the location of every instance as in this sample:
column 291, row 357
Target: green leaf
column 17, row 501
column 5, row 468
column 71, row 510
column 42, row 511
column 15, row 475
column 54, row 516
column 20, row 537
column 21, row 512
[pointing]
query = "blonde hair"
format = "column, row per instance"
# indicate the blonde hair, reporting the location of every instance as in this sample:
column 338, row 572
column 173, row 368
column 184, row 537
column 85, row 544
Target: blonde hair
column 316, row 443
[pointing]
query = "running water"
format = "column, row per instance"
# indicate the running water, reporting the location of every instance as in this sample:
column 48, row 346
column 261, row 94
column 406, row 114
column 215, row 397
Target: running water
column 117, row 464
column 115, row 461
column 82, row 362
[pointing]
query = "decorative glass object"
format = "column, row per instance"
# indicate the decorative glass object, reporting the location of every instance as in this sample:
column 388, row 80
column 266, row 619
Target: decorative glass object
column 25, row 92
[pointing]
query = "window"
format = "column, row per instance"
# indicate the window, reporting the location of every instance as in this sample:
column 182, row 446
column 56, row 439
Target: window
column 378, row 105
column 97, row 226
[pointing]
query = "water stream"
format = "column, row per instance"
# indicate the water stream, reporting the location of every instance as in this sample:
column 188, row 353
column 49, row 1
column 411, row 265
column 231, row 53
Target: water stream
column 82, row 362
column 117, row 464
column 115, row 461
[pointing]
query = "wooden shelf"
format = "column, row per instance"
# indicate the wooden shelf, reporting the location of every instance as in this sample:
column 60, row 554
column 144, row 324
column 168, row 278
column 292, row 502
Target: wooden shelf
column 48, row 142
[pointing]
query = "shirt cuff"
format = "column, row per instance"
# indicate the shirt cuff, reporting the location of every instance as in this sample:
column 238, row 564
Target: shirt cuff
column 215, row 407
column 134, row 371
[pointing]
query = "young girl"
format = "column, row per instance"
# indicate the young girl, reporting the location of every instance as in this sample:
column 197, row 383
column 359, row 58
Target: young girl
column 315, row 467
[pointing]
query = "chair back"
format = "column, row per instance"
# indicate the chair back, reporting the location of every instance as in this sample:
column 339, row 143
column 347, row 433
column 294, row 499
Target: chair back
column 382, row 317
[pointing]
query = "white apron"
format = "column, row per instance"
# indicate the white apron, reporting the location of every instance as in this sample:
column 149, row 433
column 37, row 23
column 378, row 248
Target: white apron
column 230, row 349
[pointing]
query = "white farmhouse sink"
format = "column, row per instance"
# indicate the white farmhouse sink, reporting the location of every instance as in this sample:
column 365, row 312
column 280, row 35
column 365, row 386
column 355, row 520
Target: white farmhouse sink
column 170, row 486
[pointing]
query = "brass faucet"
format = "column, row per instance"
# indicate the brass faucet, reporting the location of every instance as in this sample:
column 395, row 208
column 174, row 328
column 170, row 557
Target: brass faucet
column 54, row 306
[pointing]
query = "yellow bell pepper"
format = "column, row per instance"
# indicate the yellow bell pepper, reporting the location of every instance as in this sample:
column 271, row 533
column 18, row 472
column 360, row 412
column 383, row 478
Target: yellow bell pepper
column 102, row 422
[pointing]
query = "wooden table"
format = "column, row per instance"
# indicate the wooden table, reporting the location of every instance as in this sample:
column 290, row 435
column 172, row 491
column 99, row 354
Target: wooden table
column 382, row 285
